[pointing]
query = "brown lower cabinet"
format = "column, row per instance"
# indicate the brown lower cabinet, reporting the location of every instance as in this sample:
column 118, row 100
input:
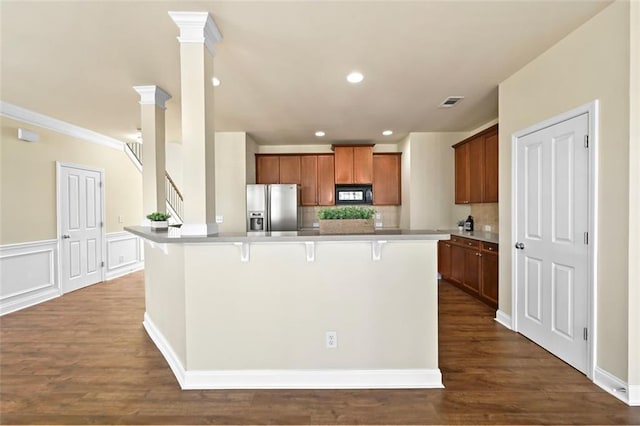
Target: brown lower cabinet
column 471, row 265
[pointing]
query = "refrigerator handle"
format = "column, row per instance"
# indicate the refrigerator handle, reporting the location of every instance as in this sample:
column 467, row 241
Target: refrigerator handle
column 267, row 189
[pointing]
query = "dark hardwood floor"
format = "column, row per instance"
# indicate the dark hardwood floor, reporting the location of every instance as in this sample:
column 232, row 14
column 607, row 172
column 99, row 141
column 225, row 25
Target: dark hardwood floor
column 84, row 358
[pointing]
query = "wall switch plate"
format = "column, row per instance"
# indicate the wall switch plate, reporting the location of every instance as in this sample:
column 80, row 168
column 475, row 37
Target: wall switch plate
column 121, row 219
column 219, row 218
column 331, row 338
column 487, row 228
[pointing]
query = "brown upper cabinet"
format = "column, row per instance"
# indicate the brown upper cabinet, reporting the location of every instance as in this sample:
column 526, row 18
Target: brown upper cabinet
column 476, row 168
column 290, row 169
column 313, row 172
column 386, row 179
column 309, row 180
column 267, row 169
column 353, row 164
column 326, row 180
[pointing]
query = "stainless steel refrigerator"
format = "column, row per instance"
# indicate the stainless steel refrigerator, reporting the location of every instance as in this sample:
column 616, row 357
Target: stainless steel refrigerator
column 273, row 207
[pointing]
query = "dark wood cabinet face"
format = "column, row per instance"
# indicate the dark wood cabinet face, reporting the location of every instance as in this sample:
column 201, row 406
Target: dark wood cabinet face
column 387, row 188
column 326, row 183
column 267, row 169
column 476, row 168
column 472, row 266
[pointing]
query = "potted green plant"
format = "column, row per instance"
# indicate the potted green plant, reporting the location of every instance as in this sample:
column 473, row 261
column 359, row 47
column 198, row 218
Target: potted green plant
column 159, row 221
column 346, row 220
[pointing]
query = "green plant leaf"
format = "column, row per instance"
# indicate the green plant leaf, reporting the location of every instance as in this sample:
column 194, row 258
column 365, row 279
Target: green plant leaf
column 346, row 212
column 158, row 216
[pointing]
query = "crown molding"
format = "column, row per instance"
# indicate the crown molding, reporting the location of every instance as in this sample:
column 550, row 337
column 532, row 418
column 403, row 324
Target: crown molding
column 24, row 115
column 152, row 95
column 197, row 27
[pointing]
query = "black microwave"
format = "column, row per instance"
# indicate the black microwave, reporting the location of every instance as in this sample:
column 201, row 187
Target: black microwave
column 354, row 194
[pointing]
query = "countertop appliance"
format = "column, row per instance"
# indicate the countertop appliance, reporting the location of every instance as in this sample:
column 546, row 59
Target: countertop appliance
column 273, row 207
column 354, row 194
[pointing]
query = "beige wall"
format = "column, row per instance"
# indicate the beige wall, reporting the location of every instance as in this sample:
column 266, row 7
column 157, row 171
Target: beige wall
column 317, row 149
column 174, row 162
column 252, row 150
column 231, row 162
column 28, row 182
column 634, row 200
column 590, row 63
column 244, row 306
column 428, row 181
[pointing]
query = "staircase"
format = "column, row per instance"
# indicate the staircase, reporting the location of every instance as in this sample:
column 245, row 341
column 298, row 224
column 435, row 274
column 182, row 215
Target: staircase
column 173, row 196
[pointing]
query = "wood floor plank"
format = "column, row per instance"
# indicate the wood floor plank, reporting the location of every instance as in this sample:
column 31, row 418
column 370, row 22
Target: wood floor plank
column 85, row 358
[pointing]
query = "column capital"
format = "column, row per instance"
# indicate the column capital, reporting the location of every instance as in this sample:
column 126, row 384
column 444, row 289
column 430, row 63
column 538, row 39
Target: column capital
column 197, row 27
column 152, row 95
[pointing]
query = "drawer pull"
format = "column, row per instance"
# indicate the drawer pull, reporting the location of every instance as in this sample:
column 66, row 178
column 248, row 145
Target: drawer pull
column 470, row 244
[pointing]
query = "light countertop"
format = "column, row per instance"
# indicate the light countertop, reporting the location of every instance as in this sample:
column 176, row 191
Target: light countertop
column 488, row 237
column 173, row 235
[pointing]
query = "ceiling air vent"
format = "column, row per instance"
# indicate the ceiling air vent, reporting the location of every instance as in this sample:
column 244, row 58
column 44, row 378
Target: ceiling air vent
column 451, row 101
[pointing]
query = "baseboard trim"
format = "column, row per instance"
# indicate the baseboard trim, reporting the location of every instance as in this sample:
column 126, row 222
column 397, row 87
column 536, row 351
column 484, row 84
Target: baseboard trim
column 123, row 254
column 634, row 395
column 165, row 349
column 504, row 319
column 613, row 385
column 121, row 272
column 293, row 379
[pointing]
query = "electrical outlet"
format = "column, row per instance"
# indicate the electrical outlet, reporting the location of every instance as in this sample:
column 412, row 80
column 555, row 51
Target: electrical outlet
column 219, row 218
column 331, row 338
column 121, row 259
column 121, row 219
column 487, row 228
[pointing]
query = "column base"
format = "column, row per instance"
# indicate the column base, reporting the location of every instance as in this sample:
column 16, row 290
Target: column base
column 199, row 229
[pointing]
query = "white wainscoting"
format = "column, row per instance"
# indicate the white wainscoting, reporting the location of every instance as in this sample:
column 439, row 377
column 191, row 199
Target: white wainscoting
column 28, row 274
column 124, row 254
column 29, row 271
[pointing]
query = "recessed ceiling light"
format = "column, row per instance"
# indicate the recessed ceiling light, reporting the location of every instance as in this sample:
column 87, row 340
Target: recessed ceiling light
column 215, row 81
column 387, row 132
column 355, row 77
column 319, row 133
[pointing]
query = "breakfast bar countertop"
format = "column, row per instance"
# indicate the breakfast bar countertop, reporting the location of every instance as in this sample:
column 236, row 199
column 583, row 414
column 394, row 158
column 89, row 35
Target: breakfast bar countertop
column 173, row 235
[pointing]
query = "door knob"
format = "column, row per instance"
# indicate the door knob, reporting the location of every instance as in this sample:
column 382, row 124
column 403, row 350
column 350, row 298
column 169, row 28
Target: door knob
column 65, row 236
column 520, row 246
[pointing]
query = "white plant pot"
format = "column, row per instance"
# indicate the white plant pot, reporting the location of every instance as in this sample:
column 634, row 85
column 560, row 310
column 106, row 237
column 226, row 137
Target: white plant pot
column 159, row 225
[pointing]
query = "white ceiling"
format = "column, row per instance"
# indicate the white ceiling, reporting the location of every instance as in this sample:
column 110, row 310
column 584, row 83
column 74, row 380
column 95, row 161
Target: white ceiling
column 282, row 64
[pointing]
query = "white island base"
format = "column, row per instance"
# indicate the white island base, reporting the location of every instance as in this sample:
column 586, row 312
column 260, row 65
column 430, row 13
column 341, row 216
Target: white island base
column 254, row 312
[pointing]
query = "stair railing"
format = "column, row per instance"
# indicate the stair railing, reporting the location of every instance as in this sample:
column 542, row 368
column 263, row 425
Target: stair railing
column 173, row 195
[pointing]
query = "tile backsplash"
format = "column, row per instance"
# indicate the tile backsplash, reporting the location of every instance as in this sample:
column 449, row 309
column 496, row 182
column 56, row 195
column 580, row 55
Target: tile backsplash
column 390, row 216
column 485, row 214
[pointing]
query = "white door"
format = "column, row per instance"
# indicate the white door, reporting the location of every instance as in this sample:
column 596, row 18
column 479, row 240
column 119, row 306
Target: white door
column 80, row 226
column 551, row 249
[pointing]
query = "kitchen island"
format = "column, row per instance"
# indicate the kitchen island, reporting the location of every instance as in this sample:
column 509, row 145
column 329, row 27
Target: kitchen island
column 294, row 309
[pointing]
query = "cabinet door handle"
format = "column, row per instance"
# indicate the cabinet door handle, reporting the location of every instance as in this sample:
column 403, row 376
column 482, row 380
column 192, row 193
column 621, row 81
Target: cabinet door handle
column 470, row 244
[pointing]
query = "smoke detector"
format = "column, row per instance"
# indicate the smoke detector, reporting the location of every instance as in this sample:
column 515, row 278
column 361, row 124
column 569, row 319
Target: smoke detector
column 451, row 101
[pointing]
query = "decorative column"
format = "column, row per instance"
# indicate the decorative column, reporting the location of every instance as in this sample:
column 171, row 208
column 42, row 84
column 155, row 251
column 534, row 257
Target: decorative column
column 152, row 102
column 198, row 33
